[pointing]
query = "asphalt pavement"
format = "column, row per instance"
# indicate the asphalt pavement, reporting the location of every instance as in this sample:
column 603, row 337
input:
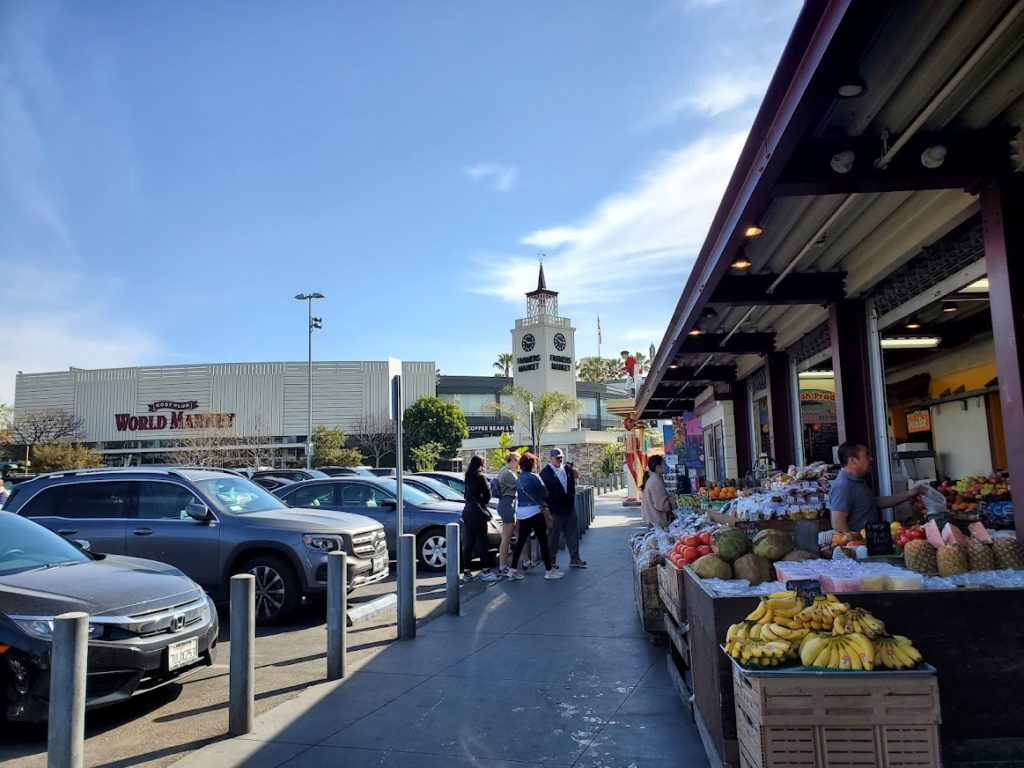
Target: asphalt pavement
column 158, row 728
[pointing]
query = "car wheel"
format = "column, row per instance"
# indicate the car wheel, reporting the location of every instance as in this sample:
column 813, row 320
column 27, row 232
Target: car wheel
column 278, row 593
column 433, row 550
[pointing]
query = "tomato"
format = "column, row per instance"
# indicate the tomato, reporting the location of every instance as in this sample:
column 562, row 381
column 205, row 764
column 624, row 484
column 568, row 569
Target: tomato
column 690, row 554
column 917, row 534
column 704, row 549
column 705, row 538
column 691, row 541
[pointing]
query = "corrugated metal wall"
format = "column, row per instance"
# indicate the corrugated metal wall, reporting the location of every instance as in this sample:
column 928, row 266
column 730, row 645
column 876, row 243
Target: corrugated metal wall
column 266, row 398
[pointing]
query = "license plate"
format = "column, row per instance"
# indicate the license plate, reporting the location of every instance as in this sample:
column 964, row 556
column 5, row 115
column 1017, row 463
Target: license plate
column 379, row 563
column 182, row 653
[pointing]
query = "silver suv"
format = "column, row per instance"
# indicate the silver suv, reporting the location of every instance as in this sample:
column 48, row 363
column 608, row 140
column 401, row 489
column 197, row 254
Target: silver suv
column 210, row 525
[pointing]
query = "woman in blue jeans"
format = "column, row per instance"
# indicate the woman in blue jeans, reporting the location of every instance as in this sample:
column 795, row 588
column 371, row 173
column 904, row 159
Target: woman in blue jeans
column 532, row 495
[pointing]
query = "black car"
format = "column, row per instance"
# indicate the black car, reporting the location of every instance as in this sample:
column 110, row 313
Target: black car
column 332, row 471
column 149, row 624
column 271, row 483
column 295, row 475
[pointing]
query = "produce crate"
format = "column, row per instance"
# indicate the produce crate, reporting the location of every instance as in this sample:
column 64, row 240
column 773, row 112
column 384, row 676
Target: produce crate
column 678, row 659
column 672, row 591
column 837, row 719
column 648, row 604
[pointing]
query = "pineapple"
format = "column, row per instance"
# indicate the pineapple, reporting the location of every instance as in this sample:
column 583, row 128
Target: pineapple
column 920, row 556
column 1007, row 552
column 952, row 560
column 980, row 556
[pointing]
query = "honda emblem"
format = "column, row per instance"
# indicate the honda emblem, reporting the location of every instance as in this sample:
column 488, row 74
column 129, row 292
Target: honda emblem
column 177, row 623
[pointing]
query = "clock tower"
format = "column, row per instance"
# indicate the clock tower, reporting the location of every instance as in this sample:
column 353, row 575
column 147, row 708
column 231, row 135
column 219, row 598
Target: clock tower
column 544, row 351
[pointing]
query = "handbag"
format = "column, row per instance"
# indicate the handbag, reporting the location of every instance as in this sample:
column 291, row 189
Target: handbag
column 548, row 520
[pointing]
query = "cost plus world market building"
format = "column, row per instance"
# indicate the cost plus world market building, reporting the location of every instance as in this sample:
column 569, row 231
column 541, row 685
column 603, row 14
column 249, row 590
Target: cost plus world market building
column 149, row 414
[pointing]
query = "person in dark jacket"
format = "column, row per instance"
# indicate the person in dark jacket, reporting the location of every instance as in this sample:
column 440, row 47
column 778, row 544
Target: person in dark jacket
column 474, row 518
column 561, row 484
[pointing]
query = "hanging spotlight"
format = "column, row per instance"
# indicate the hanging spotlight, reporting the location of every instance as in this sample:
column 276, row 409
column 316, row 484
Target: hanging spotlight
column 949, row 306
column 934, row 156
column 842, row 162
column 742, row 262
column 913, row 323
column 753, row 230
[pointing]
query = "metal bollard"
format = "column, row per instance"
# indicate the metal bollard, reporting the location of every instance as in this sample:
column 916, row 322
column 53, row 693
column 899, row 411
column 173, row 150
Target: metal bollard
column 337, row 610
column 453, row 552
column 406, row 586
column 69, row 656
column 242, row 664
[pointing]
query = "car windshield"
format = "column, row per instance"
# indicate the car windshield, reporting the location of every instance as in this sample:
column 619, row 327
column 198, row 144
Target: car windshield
column 317, row 473
column 410, row 494
column 238, row 496
column 444, row 491
column 25, row 545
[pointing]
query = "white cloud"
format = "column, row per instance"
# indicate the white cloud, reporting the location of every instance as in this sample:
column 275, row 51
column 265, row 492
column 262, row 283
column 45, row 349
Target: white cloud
column 501, row 177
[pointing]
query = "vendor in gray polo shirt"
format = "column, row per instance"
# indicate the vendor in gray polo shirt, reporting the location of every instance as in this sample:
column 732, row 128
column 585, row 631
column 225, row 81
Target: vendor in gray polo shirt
column 852, row 502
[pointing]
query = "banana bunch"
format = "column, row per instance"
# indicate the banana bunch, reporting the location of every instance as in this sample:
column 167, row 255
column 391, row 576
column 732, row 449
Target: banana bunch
column 895, row 652
column 688, row 500
column 860, row 621
column 744, row 643
column 852, row 652
column 822, row 613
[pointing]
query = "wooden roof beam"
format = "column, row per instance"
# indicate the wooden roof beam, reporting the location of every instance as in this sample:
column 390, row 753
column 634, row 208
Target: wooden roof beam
column 796, row 288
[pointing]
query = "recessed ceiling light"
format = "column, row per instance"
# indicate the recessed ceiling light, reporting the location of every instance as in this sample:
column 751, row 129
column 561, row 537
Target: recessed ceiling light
column 742, row 262
column 854, row 86
column 696, row 332
column 709, row 313
column 913, row 323
column 842, row 162
column 934, row 156
column 921, row 342
column 753, row 230
column 673, row 365
column 949, row 306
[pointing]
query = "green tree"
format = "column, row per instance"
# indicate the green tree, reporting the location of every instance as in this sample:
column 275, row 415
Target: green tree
column 590, row 369
column 432, row 420
column 330, row 448
column 496, row 459
column 424, row 457
column 641, row 362
column 612, row 369
column 504, row 364
column 64, row 454
column 611, row 460
column 547, row 408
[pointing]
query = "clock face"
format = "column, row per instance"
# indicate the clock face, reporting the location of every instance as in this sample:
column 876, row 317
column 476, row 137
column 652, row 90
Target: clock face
column 560, row 341
column 528, row 342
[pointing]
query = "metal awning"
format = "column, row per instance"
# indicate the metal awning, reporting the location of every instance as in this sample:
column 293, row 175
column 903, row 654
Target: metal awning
column 843, row 186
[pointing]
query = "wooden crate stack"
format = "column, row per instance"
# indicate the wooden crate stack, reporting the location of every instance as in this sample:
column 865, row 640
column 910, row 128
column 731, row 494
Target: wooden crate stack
column 836, row 720
column 673, row 600
column 648, row 603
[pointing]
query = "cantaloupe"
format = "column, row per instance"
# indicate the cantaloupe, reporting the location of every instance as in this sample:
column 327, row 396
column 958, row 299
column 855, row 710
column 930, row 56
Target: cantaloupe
column 933, row 534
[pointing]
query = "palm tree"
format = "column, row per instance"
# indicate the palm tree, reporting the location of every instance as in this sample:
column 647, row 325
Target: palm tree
column 612, row 369
column 547, row 408
column 504, row 364
column 590, row 369
column 641, row 362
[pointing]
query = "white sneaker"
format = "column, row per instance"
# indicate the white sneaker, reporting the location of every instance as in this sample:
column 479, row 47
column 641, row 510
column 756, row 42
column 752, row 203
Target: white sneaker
column 514, row 575
column 528, row 564
column 554, row 574
column 489, row 576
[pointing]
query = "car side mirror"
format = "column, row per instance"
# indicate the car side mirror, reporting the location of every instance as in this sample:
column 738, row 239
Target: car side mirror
column 83, row 544
column 389, row 504
column 198, row 512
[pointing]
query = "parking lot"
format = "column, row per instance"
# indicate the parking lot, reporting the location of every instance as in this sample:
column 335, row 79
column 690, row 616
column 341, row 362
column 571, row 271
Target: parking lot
column 159, row 728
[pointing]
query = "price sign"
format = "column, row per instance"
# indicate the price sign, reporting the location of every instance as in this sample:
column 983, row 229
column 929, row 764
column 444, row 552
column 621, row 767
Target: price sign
column 879, row 539
column 806, row 589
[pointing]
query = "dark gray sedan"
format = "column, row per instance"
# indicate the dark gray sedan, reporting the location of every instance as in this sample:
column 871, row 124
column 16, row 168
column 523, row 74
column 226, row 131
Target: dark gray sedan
column 376, row 498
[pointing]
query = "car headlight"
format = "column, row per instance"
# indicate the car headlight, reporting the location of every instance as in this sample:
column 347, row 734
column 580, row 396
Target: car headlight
column 320, row 543
column 42, row 627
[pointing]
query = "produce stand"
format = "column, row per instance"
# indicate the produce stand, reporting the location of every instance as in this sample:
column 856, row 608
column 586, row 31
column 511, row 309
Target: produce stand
column 971, row 636
column 648, row 604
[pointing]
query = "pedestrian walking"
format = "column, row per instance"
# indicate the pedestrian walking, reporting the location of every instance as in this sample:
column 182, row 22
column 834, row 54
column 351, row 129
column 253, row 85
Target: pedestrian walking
column 507, row 484
column 474, row 518
column 656, row 505
column 561, row 487
column 531, row 510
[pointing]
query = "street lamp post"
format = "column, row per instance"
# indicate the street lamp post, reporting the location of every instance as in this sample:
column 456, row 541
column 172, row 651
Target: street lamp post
column 314, row 323
column 533, row 433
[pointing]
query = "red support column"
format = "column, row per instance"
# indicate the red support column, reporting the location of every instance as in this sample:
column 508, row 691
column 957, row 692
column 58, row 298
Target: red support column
column 741, row 420
column 848, row 327
column 1001, row 214
column 780, row 408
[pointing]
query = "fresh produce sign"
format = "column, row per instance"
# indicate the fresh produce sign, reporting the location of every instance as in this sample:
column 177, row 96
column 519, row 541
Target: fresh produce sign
column 919, row 421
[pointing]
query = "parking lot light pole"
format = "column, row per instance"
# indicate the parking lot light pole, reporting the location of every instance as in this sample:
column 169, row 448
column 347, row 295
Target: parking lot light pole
column 314, row 323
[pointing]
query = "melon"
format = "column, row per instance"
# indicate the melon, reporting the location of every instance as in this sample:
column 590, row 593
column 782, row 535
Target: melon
column 978, row 533
column 933, row 534
column 753, row 568
column 800, row 555
column 772, row 544
column 712, row 567
column 729, row 543
column 952, row 535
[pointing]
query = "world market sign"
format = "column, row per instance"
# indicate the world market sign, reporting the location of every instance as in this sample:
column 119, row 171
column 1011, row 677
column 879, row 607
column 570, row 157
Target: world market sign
column 177, row 419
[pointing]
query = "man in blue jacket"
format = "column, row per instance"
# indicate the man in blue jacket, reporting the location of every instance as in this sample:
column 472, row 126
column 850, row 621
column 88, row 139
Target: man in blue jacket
column 561, row 484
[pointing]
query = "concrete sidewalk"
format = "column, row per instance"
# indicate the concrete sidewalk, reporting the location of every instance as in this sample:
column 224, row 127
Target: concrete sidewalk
column 535, row 672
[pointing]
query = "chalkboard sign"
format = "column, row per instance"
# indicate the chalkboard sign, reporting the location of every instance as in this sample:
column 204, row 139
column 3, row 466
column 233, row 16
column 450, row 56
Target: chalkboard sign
column 879, row 539
column 806, row 589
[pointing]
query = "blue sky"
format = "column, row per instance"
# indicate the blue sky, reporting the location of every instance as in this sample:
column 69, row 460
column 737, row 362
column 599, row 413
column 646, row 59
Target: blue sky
column 171, row 174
